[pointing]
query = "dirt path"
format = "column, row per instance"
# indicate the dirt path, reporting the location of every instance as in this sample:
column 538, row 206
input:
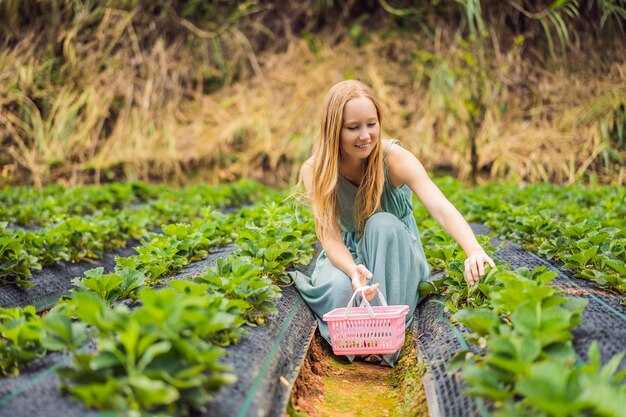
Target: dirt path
column 329, row 386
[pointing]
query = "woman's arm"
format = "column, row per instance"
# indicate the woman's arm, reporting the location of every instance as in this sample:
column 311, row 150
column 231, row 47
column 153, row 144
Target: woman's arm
column 404, row 168
column 333, row 244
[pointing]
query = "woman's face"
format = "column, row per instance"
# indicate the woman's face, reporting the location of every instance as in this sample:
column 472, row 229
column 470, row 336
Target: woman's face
column 361, row 130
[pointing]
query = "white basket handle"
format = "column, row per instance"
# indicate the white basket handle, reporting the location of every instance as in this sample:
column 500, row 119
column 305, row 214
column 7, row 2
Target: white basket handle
column 364, row 302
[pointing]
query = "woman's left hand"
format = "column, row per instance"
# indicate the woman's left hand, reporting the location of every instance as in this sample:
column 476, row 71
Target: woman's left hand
column 475, row 265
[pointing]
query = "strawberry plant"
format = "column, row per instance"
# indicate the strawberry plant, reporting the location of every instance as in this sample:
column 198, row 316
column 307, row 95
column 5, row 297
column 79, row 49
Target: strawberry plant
column 159, row 357
column 15, row 261
column 239, row 278
column 73, row 238
column 582, row 231
column 111, row 287
column 528, row 363
column 21, row 333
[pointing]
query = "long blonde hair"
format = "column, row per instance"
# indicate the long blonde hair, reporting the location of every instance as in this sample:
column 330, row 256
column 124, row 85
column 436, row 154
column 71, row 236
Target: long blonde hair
column 326, row 156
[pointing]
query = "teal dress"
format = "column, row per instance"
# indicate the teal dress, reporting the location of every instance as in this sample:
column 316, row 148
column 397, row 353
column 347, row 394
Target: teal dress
column 390, row 248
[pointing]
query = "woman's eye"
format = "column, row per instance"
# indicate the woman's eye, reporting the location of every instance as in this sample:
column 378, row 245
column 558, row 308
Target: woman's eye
column 372, row 124
column 351, row 127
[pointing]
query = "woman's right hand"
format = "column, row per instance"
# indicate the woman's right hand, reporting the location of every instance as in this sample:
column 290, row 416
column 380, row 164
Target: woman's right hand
column 359, row 276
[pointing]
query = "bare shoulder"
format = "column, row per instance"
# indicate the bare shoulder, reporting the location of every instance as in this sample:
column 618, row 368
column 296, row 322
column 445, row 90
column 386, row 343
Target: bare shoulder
column 307, row 167
column 397, row 152
column 306, row 173
column 402, row 165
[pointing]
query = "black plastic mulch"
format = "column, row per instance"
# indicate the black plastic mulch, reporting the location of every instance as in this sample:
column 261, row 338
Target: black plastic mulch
column 268, row 360
column 35, row 392
column 54, row 280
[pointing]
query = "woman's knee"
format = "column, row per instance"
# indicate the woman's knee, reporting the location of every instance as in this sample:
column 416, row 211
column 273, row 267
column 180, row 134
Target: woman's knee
column 335, row 281
column 383, row 222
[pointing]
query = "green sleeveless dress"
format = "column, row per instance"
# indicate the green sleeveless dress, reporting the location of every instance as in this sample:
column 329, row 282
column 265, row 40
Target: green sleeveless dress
column 390, row 247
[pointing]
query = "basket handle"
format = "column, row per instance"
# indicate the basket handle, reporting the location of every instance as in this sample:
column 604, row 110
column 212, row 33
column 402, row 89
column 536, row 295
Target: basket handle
column 364, row 301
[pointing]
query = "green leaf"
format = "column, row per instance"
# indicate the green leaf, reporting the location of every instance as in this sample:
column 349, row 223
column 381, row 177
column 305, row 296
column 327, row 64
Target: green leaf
column 107, row 286
column 90, row 308
column 104, row 360
column 151, row 352
column 62, row 334
column 481, row 321
column 133, row 279
column 513, row 353
column 551, row 387
column 151, row 392
column 189, row 288
column 485, row 382
column 98, row 395
column 615, row 264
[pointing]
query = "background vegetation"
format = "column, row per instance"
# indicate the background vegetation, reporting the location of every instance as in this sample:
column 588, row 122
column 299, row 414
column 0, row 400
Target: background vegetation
column 179, row 90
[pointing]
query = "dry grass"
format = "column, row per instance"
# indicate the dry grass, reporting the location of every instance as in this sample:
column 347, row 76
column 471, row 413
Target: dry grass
column 106, row 103
column 131, row 104
column 270, row 123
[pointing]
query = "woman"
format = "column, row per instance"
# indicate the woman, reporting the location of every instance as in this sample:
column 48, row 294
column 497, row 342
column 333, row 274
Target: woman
column 360, row 187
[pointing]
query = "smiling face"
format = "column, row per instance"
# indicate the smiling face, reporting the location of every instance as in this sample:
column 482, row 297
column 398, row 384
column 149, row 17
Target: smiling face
column 360, row 132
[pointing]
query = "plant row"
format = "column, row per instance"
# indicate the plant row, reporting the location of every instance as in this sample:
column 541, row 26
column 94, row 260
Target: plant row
column 523, row 360
column 77, row 238
column 584, row 228
column 527, row 365
column 157, row 344
column 27, row 206
column 156, row 256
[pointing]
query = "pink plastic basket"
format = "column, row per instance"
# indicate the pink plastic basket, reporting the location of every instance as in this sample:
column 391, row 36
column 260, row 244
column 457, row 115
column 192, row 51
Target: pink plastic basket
column 366, row 330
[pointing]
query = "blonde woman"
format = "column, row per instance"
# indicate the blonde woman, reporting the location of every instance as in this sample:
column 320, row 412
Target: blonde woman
column 360, row 187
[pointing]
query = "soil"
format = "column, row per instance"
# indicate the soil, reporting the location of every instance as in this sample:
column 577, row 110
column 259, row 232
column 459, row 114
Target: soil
column 330, row 386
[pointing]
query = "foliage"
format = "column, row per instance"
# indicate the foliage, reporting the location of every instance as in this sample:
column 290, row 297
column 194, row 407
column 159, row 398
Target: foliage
column 21, row 333
column 585, row 231
column 523, row 360
column 16, row 262
column 239, row 278
column 528, row 361
column 156, row 350
column 159, row 356
column 75, row 238
column 111, row 287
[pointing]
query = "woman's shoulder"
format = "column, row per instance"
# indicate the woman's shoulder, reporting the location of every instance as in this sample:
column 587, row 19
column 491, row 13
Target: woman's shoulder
column 395, row 152
column 306, row 172
column 401, row 163
column 388, row 143
column 307, row 166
